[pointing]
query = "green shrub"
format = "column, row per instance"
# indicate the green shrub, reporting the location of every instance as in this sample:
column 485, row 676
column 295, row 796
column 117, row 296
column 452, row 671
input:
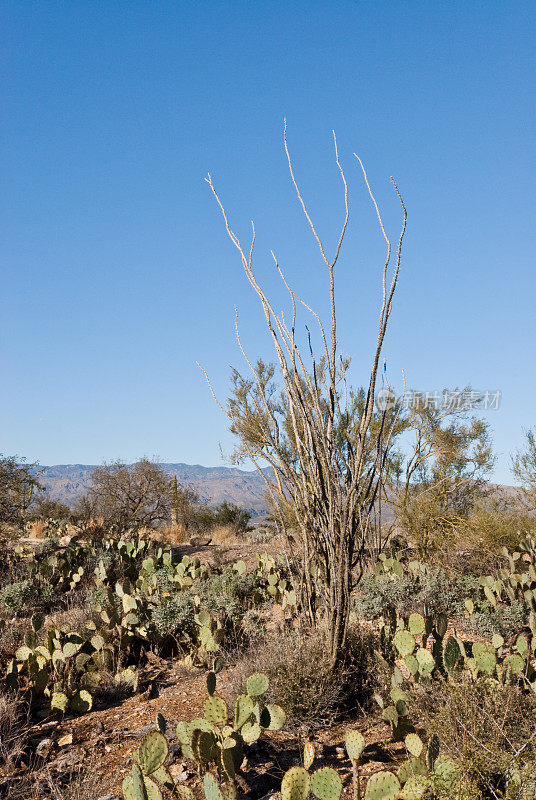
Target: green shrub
column 18, row 597
column 227, row 595
column 164, row 577
column 433, row 589
column 506, row 620
column 173, row 617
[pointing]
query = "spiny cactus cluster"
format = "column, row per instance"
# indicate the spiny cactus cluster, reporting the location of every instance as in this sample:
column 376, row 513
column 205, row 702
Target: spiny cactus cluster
column 426, row 772
column 275, row 586
column 63, row 671
column 408, row 640
column 515, row 582
column 214, row 742
column 325, row 783
column 63, row 666
column 148, row 769
column 216, row 739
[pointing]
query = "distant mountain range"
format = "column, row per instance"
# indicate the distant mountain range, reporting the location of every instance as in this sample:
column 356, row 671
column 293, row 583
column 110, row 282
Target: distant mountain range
column 68, row 482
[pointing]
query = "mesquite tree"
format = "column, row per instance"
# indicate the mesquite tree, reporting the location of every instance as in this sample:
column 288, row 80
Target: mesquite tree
column 327, row 446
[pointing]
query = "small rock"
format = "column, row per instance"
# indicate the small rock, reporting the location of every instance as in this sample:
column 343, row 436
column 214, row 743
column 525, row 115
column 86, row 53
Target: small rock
column 339, row 752
column 178, row 773
column 65, row 740
column 43, row 748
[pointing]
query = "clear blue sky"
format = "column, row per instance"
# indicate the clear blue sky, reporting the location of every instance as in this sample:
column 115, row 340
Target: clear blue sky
column 116, row 272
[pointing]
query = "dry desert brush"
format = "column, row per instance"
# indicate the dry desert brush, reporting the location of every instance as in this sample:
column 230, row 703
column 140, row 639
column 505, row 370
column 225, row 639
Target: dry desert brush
column 327, row 446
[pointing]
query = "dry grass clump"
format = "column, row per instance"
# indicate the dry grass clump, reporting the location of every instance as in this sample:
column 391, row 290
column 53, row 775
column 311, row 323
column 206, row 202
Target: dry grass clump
column 226, row 536
column 85, row 780
column 490, row 729
column 75, row 616
column 36, row 529
column 297, row 663
column 13, row 723
column 172, row 534
column 11, row 638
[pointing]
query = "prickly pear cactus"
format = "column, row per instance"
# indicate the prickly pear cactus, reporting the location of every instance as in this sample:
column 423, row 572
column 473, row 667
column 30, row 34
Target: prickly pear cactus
column 251, row 732
column 382, row 786
column 211, row 789
column 244, row 708
column 355, row 744
column 216, row 710
column 414, row 744
column 152, row 752
column 140, row 787
column 134, row 785
column 404, row 642
column 414, row 789
column 326, row 784
column 272, row 717
column 211, row 683
column 414, row 768
column 416, row 624
column 257, row 684
column 296, row 784
column 451, row 654
column 445, row 776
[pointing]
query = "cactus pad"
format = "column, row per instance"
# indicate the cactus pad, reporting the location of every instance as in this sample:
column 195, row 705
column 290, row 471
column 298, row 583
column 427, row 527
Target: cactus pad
column 216, row 710
column 416, row 624
column 451, row 654
column 382, row 786
column 243, row 710
column 184, row 732
column 414, row 789
column 326, row 784
column 414, row 744
column 355, row 744
column 487, row 662
column 445, row 776
column 152, row 752
column 516, row 663
column 139, row 787
column 211, row 683
column 412, row 664
column 225, row 763
column 134, row 785
column 426, row 661
column 234, row 744
column 296, row 784
column 411, row 769
column 251, row 732
column 81, row 702
column 404, row 642
column 441, row 624
column 59, row 702
column 204, row 746
column 273, row 717
column 257, row 684
column 211, row 789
